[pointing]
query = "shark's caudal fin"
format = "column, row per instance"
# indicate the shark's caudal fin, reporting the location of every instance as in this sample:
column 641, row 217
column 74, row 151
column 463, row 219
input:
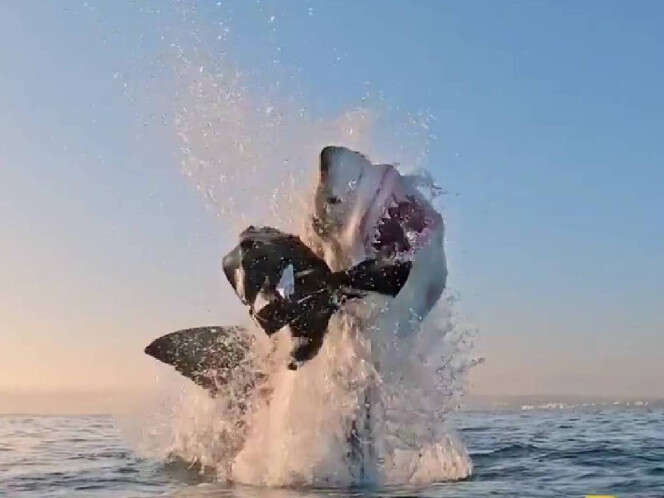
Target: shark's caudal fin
column 206, row 355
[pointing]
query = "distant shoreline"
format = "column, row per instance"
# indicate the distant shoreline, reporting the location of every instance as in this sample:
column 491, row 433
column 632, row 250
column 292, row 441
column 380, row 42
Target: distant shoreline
column 552, row 402
column 116, row 401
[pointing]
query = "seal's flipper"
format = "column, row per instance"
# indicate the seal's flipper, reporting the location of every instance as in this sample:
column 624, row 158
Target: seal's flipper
column 206, row 355
column 378, row 276
column 275, row 315
column 308, row 331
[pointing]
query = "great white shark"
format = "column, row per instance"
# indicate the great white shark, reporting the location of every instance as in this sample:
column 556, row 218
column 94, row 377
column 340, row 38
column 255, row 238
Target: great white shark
column 375, row 234
column 366, row 211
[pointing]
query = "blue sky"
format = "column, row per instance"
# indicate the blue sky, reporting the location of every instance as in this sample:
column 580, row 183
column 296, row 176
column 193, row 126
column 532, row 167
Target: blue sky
column 548, row 117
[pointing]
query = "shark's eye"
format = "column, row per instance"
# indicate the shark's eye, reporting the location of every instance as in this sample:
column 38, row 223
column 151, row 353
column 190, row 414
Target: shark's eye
column 333, row 200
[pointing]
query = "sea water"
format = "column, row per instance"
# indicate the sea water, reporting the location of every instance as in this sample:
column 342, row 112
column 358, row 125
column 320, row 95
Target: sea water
column 551, row 452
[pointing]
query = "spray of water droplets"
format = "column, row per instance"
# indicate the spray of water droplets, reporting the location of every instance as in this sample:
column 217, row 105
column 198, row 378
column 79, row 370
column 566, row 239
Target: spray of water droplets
column 253, row 158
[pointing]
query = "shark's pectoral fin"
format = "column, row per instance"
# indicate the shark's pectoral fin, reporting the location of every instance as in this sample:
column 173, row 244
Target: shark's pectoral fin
column 206, row 355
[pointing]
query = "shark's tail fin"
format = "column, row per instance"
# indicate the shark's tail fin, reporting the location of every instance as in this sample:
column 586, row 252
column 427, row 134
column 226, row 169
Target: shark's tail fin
column 206, row 355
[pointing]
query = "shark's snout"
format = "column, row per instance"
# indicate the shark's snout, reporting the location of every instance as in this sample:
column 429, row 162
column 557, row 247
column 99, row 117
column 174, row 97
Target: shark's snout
column 326, row 158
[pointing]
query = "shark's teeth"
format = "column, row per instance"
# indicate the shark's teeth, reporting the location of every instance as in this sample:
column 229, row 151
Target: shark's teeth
column 402, row 228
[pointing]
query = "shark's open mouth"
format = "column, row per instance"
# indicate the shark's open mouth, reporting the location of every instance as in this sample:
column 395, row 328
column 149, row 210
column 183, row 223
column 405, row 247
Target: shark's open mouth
column 402, row 228
column 370, row 211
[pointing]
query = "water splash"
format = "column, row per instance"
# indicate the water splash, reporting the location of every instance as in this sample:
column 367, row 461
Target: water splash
column 254, row 162
column 253, row 158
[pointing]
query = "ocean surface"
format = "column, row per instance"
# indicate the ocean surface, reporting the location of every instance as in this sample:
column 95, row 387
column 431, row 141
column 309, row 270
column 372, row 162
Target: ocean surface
column 529, row 452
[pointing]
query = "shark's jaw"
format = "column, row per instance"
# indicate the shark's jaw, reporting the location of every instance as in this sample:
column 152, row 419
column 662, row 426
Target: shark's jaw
column 402, row 228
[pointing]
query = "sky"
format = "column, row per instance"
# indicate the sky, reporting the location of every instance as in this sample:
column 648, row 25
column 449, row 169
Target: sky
column 545, row 131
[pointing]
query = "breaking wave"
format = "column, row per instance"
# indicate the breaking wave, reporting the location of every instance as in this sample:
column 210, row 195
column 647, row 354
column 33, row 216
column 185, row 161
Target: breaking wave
column 252, row 156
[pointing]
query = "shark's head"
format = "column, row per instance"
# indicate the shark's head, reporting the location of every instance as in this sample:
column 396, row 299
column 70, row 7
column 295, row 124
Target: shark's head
column 365, row 210
column 370, row 211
